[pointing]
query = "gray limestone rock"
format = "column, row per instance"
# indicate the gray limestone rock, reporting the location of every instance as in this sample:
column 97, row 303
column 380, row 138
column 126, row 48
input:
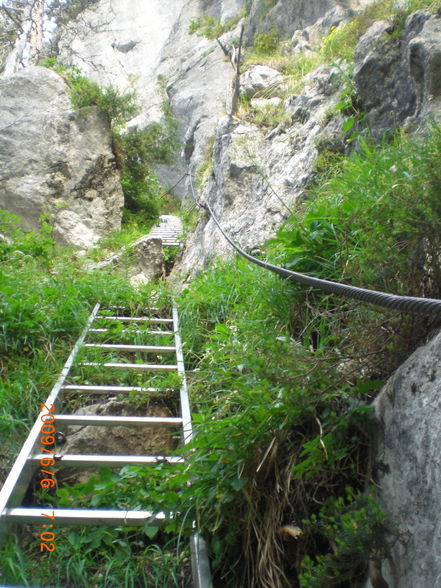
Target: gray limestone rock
column 95, row 440
column 259, row 78
column 398, row 78
column 196, row 73
column 56, row 161
column 257, row 176
column 288, row 16
column 409, row 409
column 143, row 261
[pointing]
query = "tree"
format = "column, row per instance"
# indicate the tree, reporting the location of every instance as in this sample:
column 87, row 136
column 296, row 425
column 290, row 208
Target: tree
column 22, row 24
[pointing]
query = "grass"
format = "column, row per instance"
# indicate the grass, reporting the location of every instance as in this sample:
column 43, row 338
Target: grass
column 265, row 116
column 99, row 557
column 38, row 328
column 211, row 28
column 206, row 166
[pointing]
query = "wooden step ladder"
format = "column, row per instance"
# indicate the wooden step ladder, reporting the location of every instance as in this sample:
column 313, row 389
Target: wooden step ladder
column 28, row 461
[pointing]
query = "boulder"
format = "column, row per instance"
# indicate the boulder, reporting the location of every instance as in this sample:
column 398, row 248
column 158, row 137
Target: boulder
column 259, row 78
column 143, row 261
column 56, row 161
column 409, row 410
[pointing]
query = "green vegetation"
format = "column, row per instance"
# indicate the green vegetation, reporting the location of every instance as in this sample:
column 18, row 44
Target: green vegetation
column 266, row 43
column 341, row 42
column 141, row 148
column 39, row 325
column 376, row 194
column 355, row 526
column 281, row 378
column 211, row 28
column 206, row 167
column 266, row 116
column 120, row 107
column 135, row 150
column 281, row 381
column 99, row 556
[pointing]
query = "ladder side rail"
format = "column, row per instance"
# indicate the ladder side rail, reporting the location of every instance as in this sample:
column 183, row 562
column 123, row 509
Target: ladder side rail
column 21, row 473
column 200, row 563
column 184, row 398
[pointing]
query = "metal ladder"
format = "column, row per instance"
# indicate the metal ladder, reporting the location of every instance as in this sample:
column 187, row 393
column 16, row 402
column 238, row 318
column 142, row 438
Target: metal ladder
column 28, row 461
column 169, row 230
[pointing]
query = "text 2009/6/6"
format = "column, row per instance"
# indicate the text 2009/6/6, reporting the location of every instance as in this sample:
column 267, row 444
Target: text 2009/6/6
column 47, row 431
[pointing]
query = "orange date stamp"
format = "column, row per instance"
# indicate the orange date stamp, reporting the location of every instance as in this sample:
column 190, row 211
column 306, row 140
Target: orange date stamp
column 47, row 437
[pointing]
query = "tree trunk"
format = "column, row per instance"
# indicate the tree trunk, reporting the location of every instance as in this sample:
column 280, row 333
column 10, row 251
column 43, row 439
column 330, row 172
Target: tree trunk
column 30, row 39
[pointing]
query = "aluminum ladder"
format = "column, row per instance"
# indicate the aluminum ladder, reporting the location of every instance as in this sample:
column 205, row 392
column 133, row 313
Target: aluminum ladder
column 28, row 461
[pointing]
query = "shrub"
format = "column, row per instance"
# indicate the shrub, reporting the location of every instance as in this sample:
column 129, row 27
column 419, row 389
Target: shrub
column 266, row 43
column 142, row 147
column 366, row 226
column 120, row 107
column 357, row 529
column 212, row 28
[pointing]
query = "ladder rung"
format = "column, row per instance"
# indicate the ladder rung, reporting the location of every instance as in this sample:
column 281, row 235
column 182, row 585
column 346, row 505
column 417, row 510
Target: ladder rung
column 114, row 421
column 137, row 319
column 81, row 516
column 109, row 389
column 113, row 306
column 87, row 461
column 133, row 331
column 156, row 348
column 131, row 366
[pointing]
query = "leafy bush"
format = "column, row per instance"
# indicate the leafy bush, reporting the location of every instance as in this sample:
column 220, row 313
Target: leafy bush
column 212, row 28
column 366, row 226
column 266, row 43
column 357, row 529
column 140, row 185
column 120, row 107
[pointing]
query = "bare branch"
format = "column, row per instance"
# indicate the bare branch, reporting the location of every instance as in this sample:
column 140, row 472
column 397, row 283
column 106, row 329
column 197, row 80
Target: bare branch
column 236, row 81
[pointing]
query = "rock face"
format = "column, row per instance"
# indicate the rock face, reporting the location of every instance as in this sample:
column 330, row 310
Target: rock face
column 288, row 16
column 409, row 409
column 399, row 78
column 56, row 161
column 258, row 174
column 132, row 48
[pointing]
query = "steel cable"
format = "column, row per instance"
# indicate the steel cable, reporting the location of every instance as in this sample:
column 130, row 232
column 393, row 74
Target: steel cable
column 408, row 304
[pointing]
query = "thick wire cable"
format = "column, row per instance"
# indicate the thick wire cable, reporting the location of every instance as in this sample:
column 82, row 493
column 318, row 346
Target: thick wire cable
column 408, row 304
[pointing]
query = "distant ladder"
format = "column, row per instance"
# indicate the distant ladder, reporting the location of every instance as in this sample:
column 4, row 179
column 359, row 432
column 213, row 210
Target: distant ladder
column 169, row 230
column 28, row 460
